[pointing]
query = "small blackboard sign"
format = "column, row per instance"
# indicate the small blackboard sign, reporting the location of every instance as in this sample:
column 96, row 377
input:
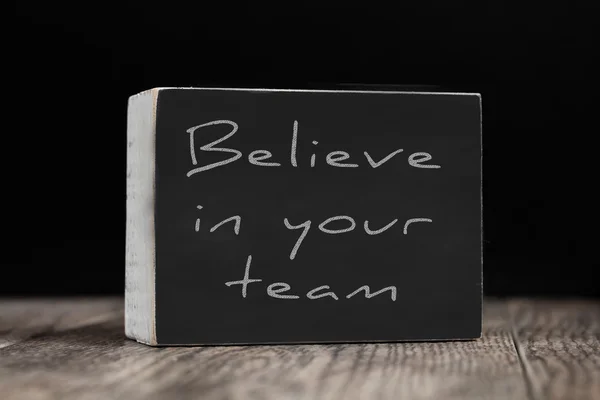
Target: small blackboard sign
column 292, row 216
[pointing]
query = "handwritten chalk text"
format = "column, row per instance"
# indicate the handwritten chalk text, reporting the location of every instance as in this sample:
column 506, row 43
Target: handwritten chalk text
column 336, row 158
column 277, row 289
column 350, row 225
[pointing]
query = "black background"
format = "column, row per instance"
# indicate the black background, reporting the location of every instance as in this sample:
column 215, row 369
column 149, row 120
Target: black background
column 70, row 67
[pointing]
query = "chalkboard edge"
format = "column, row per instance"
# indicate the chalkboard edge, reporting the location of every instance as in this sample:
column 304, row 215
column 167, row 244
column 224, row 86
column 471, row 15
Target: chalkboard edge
column 316, row 342
column 481, row 231
column 268, row 90
column 140, row 254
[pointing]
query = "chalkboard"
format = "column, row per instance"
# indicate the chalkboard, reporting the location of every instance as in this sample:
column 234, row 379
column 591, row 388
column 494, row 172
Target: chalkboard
column 289, row 216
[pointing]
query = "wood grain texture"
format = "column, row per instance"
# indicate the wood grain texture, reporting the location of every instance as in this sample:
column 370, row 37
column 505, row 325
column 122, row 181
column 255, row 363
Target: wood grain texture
column 76, row 349
column 21, row 319
column 559, row 342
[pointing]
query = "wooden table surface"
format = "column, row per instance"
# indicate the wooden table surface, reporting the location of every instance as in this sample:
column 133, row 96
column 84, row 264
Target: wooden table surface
column 75, row 349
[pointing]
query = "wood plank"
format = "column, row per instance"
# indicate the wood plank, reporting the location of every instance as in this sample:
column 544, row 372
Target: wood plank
column 559, row 342
column 23, row 318
column 92, row 359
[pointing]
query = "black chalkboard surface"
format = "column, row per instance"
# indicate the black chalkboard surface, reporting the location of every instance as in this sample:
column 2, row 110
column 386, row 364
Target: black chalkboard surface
column 289, row 216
